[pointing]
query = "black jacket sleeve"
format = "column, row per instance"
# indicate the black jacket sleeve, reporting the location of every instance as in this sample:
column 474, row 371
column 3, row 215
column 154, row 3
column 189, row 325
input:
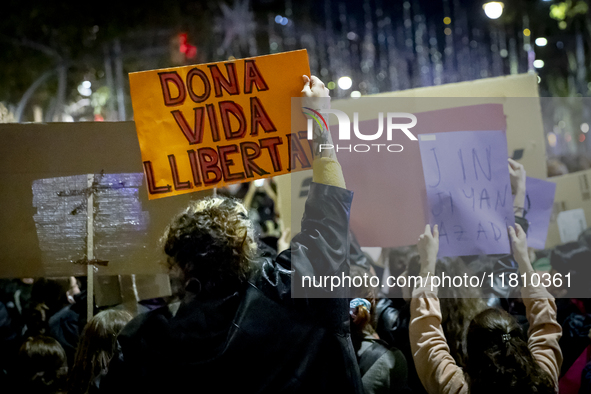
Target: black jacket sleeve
column 356, row 255
column 319, row 251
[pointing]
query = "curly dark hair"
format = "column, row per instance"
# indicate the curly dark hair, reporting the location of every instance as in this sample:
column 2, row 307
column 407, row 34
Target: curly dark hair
column 212, row 241
column 499, row 360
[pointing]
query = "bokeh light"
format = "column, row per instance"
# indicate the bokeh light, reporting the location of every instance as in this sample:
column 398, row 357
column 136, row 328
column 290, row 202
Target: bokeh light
column 493, row 9
column 552, row 139
column 345, row 83
column 541, row 41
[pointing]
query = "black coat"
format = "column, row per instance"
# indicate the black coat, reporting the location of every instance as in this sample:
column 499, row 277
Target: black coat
column 259, row 338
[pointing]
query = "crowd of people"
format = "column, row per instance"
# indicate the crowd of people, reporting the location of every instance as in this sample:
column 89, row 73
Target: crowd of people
column 235, row 324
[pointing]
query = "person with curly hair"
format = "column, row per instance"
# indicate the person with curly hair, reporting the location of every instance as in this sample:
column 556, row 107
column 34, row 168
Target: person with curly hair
column 240, row 327
column 500, row 358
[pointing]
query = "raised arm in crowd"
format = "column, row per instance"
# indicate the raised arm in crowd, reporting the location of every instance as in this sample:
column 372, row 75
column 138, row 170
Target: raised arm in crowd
column 501, row 357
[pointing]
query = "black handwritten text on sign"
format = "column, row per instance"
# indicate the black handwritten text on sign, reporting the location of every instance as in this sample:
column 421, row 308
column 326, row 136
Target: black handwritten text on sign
column 468, row 191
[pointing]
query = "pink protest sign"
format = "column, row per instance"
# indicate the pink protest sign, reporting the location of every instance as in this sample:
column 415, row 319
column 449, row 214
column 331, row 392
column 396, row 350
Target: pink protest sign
column 389, row 207
column 538, row 204
column 468, row 191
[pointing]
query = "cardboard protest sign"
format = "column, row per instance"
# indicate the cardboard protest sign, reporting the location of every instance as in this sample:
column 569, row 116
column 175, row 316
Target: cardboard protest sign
column 538, row 204
column 390, row 197
column 388, row 209
column 210, row 125
column 71, row 150
column 468, row 191
column 519, row 96
column 292, row 192
column 389, row 190
column 571, row 224
column 573, row 192
column 118, row 222
column 129, row 289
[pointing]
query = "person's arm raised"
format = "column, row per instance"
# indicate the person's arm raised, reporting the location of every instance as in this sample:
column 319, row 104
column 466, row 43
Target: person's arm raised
column 435, row 366
column 326, row 168
column 428, row 247
column 544, row 330
column 518, row 178
column 519, row 249
column 321, row 248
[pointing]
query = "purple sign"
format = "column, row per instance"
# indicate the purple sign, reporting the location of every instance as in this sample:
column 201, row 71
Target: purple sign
column 538, row 204
column 468, row 191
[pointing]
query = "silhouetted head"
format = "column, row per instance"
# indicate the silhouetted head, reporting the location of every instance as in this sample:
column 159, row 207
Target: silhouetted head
column 42, row 365
column 499, row 360
column 363, row 316
column 96, row 348
column 212, row 242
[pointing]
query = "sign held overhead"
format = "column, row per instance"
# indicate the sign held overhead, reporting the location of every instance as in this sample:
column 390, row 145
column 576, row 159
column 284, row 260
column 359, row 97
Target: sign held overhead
column 210, row 125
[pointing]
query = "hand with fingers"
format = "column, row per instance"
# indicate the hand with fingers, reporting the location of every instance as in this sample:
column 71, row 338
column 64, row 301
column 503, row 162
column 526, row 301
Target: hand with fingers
column 428, row 246
column 519, row 248
column 315, row 94
column 316, row 97
column 518, row 177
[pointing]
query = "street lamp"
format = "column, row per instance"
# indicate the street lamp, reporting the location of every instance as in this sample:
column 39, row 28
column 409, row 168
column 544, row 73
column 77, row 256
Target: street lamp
column 493, row 9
